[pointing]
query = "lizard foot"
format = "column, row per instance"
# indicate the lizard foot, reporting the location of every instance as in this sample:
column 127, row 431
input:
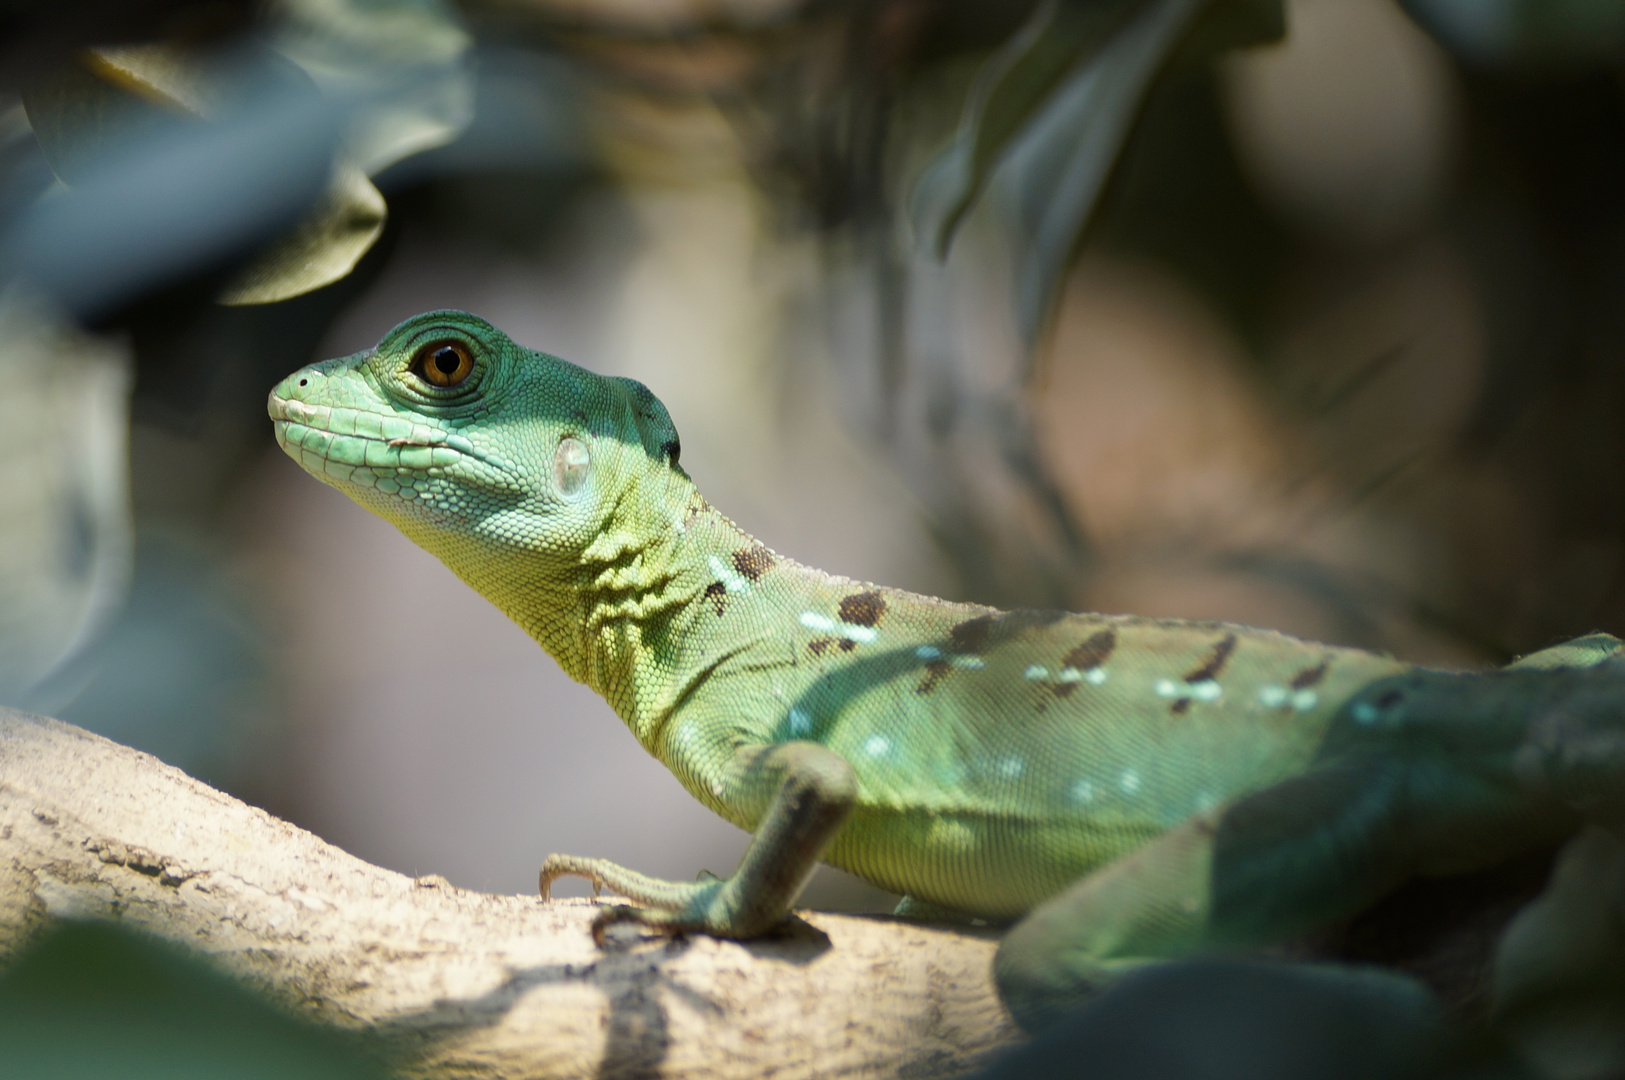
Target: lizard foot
column 669, row 923
column 668, row 907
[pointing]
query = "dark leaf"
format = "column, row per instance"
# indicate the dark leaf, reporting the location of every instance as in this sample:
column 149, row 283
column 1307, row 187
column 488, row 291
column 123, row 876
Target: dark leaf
column 1008, row 90
column 95, row 1001
column 1058, row 164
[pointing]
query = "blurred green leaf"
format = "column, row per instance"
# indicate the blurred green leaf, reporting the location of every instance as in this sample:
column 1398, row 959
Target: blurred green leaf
column 162, row 74
column 402, row 63
column 1048, row 114
column 1058, row 163
column 92, row 1000
column 173, row 199
column 79, row 117
column 1010, row 87
column 397, row 70
column 1539, row 33
column 323, row 248
column 65, row 518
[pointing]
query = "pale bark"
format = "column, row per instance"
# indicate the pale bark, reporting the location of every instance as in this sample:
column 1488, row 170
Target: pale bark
column 459, row 983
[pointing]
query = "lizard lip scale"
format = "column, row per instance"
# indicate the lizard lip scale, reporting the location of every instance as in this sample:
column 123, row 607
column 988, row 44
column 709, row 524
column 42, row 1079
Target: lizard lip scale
column 978, row 760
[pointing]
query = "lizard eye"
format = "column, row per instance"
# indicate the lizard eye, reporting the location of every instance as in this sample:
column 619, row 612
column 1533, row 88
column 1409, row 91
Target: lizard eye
column 444, row 364
column 571, row 463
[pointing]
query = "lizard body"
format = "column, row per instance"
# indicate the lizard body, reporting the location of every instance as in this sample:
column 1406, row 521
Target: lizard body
column 978, row 760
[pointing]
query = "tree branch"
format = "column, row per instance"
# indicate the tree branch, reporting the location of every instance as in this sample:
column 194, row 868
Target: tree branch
column 461, row 983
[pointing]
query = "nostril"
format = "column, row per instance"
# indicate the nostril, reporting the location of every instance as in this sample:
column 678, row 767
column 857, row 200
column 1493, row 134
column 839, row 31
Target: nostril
column 302, row 382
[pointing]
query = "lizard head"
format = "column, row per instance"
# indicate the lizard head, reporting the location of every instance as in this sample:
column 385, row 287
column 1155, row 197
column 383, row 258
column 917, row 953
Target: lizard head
column 476, row 448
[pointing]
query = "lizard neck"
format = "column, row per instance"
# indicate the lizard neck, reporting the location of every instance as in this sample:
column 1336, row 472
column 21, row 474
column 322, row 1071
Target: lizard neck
column 617, row 616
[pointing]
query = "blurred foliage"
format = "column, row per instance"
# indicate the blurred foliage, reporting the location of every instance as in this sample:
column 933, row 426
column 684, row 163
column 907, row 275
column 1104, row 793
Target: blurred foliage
column 103, row 1001
column 391, row 84
column 65, row 515
column 1217, row 1020
column 1048, row 113
column 1558, row 34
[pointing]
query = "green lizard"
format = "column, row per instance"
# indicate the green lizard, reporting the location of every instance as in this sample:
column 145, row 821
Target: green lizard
column 1128, row 788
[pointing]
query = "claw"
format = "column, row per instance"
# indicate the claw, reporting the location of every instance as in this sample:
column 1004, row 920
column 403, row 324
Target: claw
column 624, row 913
column 552, row 870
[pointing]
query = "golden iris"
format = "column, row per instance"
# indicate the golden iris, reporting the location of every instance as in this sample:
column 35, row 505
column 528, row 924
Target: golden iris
column 443, row 363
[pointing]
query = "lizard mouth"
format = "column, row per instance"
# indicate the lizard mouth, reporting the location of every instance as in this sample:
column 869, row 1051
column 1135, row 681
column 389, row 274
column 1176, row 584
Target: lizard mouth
column 374, row 450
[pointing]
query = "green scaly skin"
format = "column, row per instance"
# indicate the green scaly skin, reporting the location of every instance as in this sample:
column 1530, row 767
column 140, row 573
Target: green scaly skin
column 1136, row 788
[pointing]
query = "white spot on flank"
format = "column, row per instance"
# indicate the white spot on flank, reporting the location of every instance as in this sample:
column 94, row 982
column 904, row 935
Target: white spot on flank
column 1129, row 781
column 1275, row 696
column 1096, row 676
column 1012, row 767
column 716, row 789
column 731, row 581
column 1083, row 791
column 1205, row 690
column 967, row 661
column 928, row 652
column 1364, row 713
column 1039, row 671
column 1070, row 674
column 800, row 722
column 876, row 745
column 824, row 624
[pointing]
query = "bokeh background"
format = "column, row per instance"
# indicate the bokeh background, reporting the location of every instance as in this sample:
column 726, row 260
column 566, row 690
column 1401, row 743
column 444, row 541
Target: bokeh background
column 1305, row 314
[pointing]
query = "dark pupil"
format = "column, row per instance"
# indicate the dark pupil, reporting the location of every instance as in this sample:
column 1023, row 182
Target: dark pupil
column 446, row 360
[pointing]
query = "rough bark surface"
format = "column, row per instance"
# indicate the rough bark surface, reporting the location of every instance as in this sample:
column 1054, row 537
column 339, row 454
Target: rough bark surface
column 459, row 983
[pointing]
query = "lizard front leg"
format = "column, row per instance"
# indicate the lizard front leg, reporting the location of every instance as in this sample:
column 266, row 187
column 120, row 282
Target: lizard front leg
column 812, row 790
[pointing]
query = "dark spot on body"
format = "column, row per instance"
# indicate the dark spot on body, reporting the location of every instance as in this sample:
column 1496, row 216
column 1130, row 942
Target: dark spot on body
column 817, row 646
column 1091, row 654
column 717, row 593
column 1213, row 666
column 935, row 672
column 1390, row 698
column 671, row 450
column 862, row 609
column 847, row 644
column 1063, row 689
column 753, row 561
column 581, row 415
column 1179, row 707
column 1308, row 677
column 970, row 636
